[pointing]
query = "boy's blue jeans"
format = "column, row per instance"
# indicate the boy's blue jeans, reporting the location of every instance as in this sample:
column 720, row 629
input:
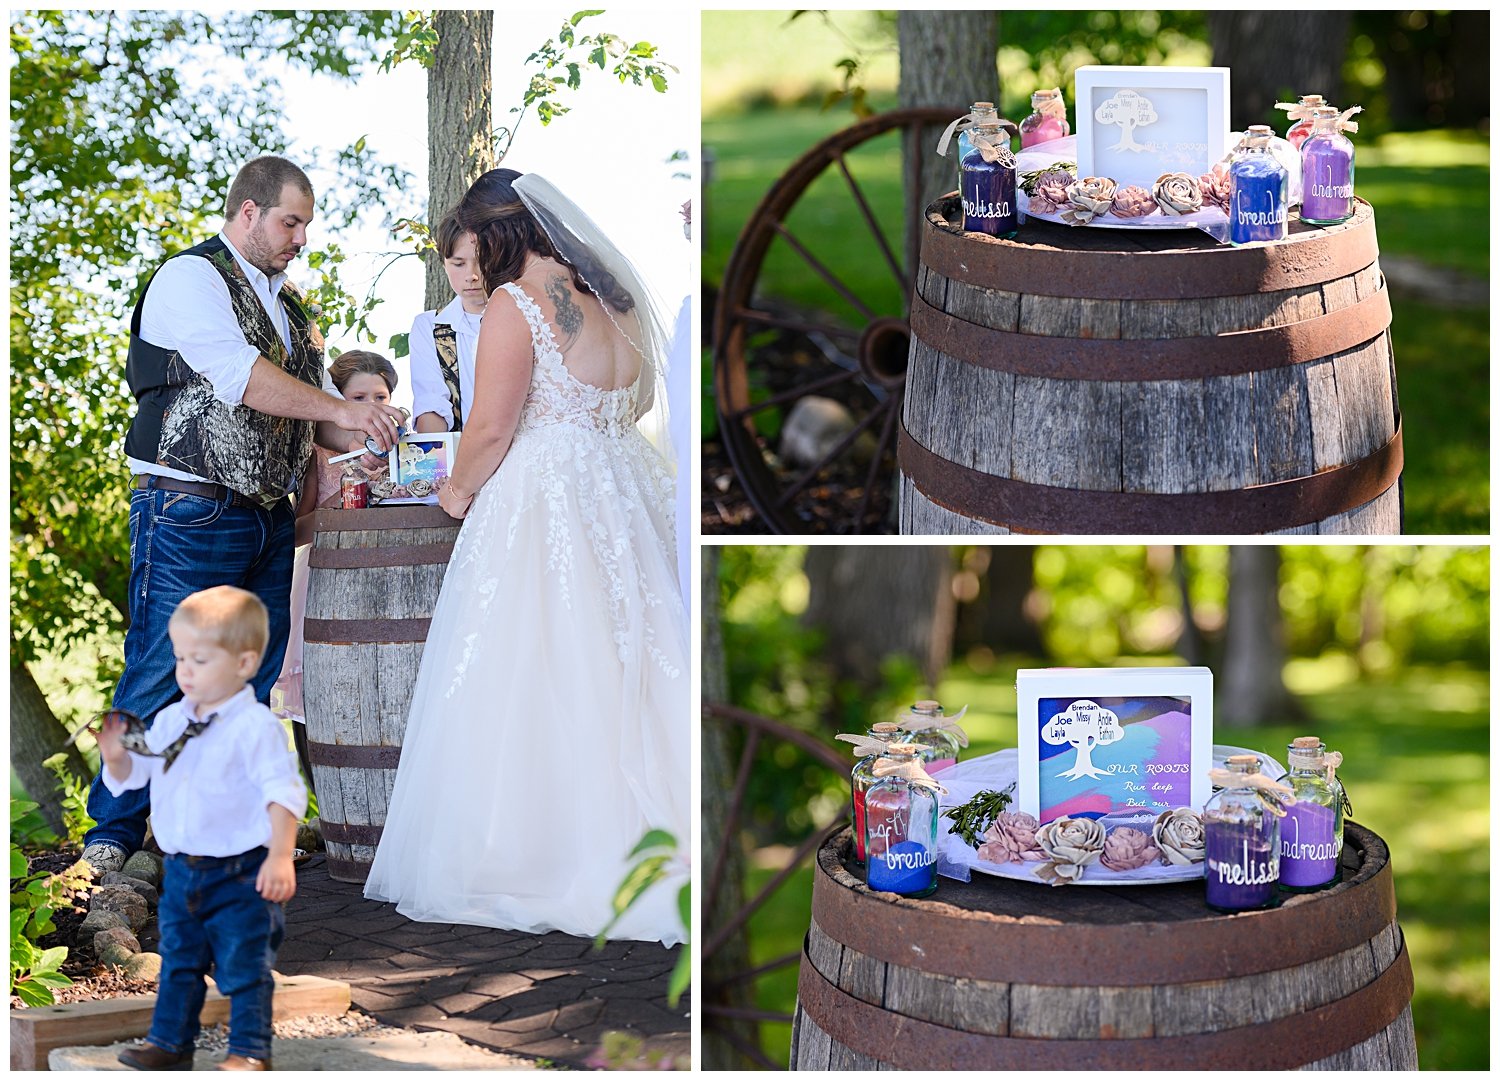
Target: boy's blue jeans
column 211, row 916
column 180, row 544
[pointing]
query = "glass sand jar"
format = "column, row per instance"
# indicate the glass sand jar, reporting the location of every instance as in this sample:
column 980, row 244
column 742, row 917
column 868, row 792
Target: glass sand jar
column 1242, row 840
column 901, row 824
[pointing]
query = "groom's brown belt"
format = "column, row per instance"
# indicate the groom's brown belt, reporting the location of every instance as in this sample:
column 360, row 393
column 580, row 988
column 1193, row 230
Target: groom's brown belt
column 202, row 489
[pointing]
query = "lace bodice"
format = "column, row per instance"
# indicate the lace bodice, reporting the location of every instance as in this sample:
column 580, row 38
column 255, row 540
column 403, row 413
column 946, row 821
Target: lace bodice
column 556, row 396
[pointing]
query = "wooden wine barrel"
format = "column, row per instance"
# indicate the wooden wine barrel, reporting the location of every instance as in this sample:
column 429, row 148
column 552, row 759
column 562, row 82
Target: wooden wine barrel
column 997, row 974
column 373, row 581
column 1091, row 380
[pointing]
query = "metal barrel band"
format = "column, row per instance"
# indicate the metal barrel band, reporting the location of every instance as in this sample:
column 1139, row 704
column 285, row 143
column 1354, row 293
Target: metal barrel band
column 1104, row 268
column 335, row 519
column 347, row 870
column 953, row 942
column 344, row 833
column 909, row 1043
column 353, row 756
column 1043, row 508
column 1143, row 359
column 410, row 555
column 364, row 631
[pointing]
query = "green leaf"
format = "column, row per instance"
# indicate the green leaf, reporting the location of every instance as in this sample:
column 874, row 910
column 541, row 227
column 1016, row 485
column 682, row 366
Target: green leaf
column 597, row 57
column 659, row 81
column 51, row 960
column 359, row 145
column 51, row 979
column 685, row 905
column 17, row 862
column 400, row 344
column 579, row 16
column 653, row 839
column 32, row 993
column 682, row 975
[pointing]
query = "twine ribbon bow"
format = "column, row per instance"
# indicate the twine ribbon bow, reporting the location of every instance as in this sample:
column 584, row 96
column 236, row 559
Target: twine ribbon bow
column 1332, row 760
column 908, row 769
column 864, row 745
column 916, row 722
column 1272, row 794
column 991, row 147
column 1344, row 123
column 1297, row 110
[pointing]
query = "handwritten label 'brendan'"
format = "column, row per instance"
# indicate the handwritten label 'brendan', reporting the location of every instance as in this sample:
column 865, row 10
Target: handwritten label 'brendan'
column 1275, row 215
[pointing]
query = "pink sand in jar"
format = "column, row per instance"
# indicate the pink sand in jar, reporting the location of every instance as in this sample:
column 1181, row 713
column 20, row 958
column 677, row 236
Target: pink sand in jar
column 1041, row 129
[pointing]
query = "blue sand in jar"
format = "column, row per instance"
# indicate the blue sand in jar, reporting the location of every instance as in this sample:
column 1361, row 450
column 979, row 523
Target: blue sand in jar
column 989, row 196
column 1257, row 208
column 915, row 870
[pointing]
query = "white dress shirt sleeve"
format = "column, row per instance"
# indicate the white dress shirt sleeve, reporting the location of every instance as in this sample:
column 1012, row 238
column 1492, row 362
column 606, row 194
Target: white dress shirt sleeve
column 429, row 394
column 273, row 767
column 140, row 775
column 187, row 308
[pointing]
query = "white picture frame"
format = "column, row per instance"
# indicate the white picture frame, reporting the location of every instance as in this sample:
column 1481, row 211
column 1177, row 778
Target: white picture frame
column 1187, row 130
column 1133, row 772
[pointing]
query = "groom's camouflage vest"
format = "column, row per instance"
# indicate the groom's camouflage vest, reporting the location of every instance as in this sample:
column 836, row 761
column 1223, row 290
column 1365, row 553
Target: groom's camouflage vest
column 178, row 421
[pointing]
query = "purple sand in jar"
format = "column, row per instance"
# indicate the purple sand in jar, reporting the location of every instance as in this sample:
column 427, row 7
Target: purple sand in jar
column 1241, row 868
column 906, row 868
column 989, row 197
column 1327, row 172
column 1309, row 856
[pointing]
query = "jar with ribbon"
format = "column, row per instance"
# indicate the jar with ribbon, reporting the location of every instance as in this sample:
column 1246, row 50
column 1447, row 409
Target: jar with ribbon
column 869, row 748
column 1242, row 836
column 1300, row 113
column 1257, row 190
column 1328, row 168
column 1048, row 119
column 901, row 825
column 1312, row 834
column 981, row 112
column 987, row 181
column 938, row 735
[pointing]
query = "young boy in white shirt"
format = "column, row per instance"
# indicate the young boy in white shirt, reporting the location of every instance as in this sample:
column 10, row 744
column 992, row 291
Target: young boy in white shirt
column 443, row 342
column 225, row 800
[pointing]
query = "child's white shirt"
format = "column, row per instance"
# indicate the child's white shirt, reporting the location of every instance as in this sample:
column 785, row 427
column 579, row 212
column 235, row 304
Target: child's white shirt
column 428, row 391
column 214, row 799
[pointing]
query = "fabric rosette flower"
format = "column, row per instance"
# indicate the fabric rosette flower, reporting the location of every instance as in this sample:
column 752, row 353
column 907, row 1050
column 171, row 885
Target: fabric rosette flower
column 1048, row 192
column 1011, row 838
column 1133, row 202
column 1215, row 187
column 1126, row 849
column 1178, row 193
column 1179, row 835
column 1088, row 198
column 1071, row 844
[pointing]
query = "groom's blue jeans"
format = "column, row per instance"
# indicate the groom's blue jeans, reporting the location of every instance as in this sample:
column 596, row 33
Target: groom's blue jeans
column 180, row 544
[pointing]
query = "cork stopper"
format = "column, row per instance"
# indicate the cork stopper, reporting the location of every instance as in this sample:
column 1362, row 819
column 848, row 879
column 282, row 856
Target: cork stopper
column 1312, row 99
column 927, row 707
column 1325, row 112
column 1245, row 762
column 885, row 728
column 980, row 105
column 901, row 750
column 1307, row 742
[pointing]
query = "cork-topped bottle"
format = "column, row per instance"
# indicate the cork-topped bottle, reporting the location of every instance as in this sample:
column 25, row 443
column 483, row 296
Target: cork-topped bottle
column 939, row 749
column 1302, row 118
column 1312, row 834
column 901, row 824
column 862, row 777
column 1242, row 840
column 1048, row 119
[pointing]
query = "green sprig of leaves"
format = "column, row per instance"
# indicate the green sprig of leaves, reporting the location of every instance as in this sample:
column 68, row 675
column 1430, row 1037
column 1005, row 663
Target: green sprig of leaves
column 971, row 819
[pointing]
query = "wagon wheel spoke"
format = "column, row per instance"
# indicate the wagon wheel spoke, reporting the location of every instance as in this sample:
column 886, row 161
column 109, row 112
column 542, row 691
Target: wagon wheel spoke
column 886, row 432
column 802, row 326
column 751, row 1052
column 823, row 272
column 869, row 216
column 805, row 849
column 803, row 480
column 760, row 970
column 731, row 822
column 843, row 375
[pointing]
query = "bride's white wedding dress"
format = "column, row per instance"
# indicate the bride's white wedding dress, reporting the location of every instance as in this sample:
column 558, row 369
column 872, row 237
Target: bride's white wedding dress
column 549, row 723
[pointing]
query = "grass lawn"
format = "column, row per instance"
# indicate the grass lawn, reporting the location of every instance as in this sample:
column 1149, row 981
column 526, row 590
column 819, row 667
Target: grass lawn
column 1417, row 769
column 1430, row 190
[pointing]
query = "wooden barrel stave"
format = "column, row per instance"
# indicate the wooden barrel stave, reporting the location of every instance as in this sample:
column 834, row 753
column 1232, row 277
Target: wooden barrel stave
column 1359, row 993
column 1276, row 424
column 375, row 579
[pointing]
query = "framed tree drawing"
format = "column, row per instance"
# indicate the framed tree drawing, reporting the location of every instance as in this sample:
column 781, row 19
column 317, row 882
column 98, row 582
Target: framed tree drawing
column 1113, row 741
column 1136, row 123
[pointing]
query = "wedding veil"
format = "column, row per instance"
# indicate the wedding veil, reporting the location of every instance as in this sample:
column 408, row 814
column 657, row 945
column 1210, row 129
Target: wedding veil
column 583, row 245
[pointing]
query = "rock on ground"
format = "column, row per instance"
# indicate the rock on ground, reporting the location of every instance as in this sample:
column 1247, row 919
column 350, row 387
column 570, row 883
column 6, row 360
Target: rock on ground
column 402, row 1049
column 145, row 889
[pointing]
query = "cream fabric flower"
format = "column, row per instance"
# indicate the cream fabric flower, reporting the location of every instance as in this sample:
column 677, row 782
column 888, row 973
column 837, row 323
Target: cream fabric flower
column 1178, row 193
column 1088, row 198
column 1071, row 844
column 1179, row 835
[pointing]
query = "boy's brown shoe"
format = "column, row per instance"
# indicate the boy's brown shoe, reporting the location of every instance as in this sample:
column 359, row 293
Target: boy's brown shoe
column 150, row 1057
column 241, row 1062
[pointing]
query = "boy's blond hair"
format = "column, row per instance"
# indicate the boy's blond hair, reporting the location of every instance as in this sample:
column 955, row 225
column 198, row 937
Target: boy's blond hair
column 233, row 619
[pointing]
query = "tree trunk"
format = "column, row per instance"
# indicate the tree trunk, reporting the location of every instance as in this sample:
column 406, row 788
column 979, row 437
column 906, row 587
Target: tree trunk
column 459, row 123
column 947, row 58
column 1277, row 55
column 998, row 619
column 718, row 761
column 1190, row 638
column 36, row 735
column 873, row 601
column 1253, row 690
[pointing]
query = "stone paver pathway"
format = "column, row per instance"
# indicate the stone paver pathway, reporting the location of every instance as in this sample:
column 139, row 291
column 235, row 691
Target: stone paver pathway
column 547, row 996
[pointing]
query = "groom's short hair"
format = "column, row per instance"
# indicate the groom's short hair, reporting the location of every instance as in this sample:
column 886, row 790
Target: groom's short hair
column 262, row 181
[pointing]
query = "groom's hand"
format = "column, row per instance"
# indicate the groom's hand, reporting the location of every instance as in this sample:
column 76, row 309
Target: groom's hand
column 373, row 419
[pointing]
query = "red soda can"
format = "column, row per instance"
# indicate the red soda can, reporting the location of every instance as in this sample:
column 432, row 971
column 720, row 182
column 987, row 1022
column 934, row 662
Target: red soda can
column 355, row 491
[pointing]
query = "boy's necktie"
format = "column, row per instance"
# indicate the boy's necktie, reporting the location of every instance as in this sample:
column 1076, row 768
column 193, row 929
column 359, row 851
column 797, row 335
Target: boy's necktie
column 194, row 728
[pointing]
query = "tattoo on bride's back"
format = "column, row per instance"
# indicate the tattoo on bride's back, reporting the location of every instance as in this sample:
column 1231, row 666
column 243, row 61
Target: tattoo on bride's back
column 569, row 315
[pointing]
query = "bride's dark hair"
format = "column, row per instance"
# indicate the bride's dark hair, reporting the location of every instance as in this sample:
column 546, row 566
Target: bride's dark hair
column 505, row 233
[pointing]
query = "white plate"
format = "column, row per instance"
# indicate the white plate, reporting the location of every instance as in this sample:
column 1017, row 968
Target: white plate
column 999, row 770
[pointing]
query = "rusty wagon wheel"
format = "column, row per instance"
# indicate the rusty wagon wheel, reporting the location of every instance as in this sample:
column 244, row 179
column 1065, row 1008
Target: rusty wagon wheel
column 761, row 734
column 835, row 348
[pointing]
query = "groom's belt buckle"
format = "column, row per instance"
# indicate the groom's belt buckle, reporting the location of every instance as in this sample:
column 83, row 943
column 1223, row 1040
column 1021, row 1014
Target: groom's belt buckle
column 202, row 489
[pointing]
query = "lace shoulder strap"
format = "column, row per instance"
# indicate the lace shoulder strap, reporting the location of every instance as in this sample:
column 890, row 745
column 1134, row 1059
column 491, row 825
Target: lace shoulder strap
column 542, row 339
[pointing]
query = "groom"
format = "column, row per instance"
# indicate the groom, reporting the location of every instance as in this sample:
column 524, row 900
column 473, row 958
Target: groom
column 226, row 366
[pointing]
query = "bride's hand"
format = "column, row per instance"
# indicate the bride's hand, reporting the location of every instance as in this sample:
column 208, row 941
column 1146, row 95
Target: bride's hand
column 457, row 506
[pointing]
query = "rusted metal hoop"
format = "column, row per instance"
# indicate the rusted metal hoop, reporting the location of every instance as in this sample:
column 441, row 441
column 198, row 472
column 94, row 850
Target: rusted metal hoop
column 334, row 519
column 1025, row 507
column 908, row 1043
column 1309, row 256
column 361, row 631
column 410, row 555
column 956, row 943
column 339, row 754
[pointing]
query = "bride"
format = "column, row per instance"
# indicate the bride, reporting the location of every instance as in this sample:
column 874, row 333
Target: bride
column 549, row 722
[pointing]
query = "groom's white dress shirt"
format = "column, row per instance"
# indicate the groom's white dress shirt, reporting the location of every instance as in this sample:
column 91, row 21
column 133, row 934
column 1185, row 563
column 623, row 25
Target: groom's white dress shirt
column 214, row 799
column 187, row 309
column 429, row 392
